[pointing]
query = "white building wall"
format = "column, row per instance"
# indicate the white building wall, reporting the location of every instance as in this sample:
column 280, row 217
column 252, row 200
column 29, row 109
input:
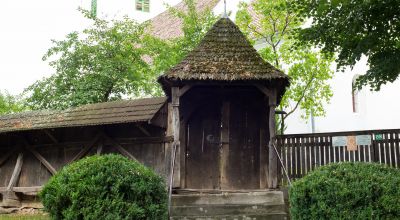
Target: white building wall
column 377, row 110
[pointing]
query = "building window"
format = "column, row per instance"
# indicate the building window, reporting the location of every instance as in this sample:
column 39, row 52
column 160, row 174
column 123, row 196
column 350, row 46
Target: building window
column 354, row 94
column 143, row 5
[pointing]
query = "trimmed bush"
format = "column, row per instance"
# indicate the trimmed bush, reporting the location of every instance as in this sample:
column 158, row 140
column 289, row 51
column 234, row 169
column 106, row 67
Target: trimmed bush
column 105, row 187
column 347, row 191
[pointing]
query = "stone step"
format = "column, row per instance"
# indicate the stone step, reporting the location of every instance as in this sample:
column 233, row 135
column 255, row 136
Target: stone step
column 211, row 210
column 275, row 216
column 248, row 198
column 246, row 206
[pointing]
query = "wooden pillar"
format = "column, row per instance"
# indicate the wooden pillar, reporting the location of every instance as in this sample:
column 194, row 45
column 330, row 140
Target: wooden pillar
column 10, row 199
column 176, row 134
column 272, row 157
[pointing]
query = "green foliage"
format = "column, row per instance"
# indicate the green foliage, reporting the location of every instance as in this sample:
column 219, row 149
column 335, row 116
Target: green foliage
column 10, row 103
column 114, row 59
column 195, row 25
column 105, row 187
column 103, row 63
column 355, row 28
column 347, row 191
column 308, row 69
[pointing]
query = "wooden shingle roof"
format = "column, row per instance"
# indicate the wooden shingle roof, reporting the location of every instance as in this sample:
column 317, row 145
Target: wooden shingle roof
column 224, row 54
column 139, row 110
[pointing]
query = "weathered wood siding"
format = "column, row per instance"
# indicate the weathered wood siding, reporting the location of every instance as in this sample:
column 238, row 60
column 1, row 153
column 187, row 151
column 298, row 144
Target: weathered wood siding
column 226, row 137
column 47, row 151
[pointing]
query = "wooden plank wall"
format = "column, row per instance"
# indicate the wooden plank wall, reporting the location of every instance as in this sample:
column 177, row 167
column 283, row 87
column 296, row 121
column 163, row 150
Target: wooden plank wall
column 44, row 155
column 302, row 153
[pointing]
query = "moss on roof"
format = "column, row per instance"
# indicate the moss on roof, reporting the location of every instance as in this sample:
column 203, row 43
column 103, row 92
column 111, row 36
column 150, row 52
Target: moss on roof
column 124, row 111
column 223, row 55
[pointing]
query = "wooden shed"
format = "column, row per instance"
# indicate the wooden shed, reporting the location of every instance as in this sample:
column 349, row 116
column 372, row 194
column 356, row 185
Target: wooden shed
column 215, row 127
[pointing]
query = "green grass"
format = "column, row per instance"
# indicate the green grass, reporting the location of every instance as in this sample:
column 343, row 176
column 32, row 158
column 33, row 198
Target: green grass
column 24, row 217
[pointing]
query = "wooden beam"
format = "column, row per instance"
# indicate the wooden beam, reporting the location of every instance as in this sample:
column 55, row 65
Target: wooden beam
column 99, row 148
column 16, row 172
column 51, row 136
column 184, row 89
column 142, row 129
column 49, row 167
column 119, row 147
column 24, row 190
column 265, row 90
column 86, row 149
column 175, row 101
column 5, row 157
column 272, row 155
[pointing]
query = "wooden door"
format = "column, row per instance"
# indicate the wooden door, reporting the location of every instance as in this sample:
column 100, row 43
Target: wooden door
column 202, row 148
column 223, row 145
column 243, row 161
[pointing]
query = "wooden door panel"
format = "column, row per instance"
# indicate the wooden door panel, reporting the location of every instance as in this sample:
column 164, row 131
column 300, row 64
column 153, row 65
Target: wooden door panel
column 202, row 150
column 244, row 144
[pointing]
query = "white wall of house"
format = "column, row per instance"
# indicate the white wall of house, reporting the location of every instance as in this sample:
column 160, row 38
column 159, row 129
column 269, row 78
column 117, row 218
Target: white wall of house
column 376, row 110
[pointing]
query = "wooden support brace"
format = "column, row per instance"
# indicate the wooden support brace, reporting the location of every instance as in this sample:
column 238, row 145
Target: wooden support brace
column 49, row 167
column 119, row 147
column 86, row 149
column 142, row 129
column 51, row 136
column 99, row 148
column 184, row 89
column 266, row 91
column 16, row 172
column 38, row 156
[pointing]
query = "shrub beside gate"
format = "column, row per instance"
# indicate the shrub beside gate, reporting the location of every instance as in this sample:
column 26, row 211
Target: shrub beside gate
column 347, row 191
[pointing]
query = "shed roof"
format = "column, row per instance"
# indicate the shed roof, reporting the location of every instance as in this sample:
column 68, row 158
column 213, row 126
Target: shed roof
column 224, row 54
column 138, row 110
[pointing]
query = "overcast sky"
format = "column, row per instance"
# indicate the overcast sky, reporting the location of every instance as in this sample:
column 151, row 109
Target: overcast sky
column 27, row 27
column 26, row 30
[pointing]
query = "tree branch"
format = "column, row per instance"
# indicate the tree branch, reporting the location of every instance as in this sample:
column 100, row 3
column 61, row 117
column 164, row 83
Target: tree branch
column 301, row 97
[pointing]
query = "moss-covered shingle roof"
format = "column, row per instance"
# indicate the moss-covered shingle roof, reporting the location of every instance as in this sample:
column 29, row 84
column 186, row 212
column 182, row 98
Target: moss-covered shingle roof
column 126, row 111
column 223, row 55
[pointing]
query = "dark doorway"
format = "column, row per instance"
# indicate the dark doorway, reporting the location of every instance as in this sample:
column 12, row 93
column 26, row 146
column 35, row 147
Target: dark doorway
column 223, row 144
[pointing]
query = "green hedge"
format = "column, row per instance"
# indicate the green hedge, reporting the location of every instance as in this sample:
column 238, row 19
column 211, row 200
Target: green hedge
column 347, row 191
column 105, row 187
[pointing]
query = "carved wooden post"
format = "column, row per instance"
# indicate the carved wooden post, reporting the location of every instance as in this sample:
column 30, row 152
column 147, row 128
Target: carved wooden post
column 176, row 131
column 272, row 157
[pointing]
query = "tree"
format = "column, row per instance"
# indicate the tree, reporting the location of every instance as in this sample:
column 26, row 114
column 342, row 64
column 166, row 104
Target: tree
column 195, row 25
column 114, row 59
column 352, row 28
column 105, row 62
column 273, row 23
column 10, row 103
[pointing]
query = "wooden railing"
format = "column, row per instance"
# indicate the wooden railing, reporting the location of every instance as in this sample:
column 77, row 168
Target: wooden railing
column 302, row 153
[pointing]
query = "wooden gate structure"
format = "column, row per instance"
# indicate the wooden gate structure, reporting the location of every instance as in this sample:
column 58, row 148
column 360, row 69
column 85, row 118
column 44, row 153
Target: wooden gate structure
column 302, row 153
column 218, row 119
